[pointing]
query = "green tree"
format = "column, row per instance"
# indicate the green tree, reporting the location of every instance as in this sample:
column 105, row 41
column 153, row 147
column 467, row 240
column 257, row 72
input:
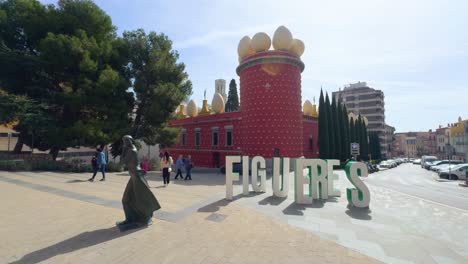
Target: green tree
column 232, row 103
column 352, row 131
column 66, row 57
column 342, row 132
column 331, row 132
column 366, row 149
column 375, row 146
column 160, row 84
column 336, row 129
column 347, row 141
column 323, row 140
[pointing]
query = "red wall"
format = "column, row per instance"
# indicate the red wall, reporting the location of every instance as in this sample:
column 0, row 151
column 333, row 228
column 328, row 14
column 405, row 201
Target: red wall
column 203, row 155
column 271, row 116
column 310, row 129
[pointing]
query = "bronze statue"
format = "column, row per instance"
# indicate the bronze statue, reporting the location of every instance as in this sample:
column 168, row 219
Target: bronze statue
column 138, row 201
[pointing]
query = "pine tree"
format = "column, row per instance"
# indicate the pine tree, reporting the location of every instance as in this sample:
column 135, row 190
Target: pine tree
column 323, row 128
column 331, row 138
column 232, row 103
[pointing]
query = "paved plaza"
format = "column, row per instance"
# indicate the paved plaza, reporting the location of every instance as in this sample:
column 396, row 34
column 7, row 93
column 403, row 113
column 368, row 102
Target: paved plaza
column 62, row 218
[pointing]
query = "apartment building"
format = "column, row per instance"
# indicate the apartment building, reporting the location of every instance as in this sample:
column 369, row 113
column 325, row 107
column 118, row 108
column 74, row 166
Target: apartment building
column 359, row 98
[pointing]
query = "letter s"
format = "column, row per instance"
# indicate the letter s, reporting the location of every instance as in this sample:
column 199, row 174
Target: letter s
column 359, row 196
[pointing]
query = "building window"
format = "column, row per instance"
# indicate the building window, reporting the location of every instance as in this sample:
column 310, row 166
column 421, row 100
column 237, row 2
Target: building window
column 229, row 135
column 197, row 136
column 215, row 136
column 311, row 143
column 184, row 137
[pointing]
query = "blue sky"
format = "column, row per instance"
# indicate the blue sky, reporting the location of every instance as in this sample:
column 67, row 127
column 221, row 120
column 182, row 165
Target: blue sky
column 415, row 51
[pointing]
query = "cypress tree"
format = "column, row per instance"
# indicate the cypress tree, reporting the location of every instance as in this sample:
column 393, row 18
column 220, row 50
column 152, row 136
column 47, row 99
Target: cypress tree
column 337, row 129
column 347, row 139
column 331, row 138
column 366, row 141
column 378, row 150
column 323, row 128
column 232, row 103
column 342, row 136
column 352, row 129
column 363, row 140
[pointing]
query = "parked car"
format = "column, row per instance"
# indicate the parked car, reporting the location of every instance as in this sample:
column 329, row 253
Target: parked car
column 416, row 161
column 371, row 168
column 385, row 164
column 456, row 173
column 443, row 162
column 428, row 164
column 393, row 163
column 443, row 167
column 425, row 159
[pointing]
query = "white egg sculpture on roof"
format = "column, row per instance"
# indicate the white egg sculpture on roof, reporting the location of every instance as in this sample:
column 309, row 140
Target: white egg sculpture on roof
column 260, row 42
column 192, row 109
column 217, row 105
column 244, row 48
column 307, row 108
column 282, row 39
column 297, row 47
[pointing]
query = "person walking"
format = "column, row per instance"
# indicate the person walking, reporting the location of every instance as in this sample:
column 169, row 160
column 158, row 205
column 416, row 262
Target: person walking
column 180, row 166
column 145, row 164
column 188, row 168
column 165, row 164
column 95, row 166
column 101, row 161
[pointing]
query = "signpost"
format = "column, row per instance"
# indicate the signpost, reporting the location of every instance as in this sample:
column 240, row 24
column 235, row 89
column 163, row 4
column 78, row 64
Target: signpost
column 355, row 150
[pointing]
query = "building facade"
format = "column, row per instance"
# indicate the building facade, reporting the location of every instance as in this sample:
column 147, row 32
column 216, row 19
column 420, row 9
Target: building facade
column 368, row 102
column 271, row 121
column 220, row 87
column 442, row 139
column 459, row 139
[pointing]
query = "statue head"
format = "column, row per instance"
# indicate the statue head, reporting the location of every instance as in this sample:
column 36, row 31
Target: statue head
column 127, row 141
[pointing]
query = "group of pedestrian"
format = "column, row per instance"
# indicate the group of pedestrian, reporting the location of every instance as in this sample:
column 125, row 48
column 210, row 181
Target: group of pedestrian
column 181, row 164
column 99, row 162
column 184, row 163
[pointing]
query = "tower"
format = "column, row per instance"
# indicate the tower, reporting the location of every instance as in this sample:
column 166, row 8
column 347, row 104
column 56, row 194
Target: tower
column 270, row 95
column 220, row 87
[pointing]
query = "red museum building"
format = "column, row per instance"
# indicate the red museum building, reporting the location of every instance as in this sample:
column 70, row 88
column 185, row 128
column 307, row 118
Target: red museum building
column 271, row 121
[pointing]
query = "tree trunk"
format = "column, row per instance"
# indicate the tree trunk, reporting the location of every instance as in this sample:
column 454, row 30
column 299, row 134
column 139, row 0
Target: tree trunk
column 19, row 144
column 54, row 152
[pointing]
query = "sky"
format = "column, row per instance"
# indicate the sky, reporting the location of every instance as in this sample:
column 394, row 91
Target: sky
column 415, row 51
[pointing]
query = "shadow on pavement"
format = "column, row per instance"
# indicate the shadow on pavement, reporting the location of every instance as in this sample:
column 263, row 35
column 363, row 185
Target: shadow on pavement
column 272, row 200
column 83, row 240
column 214, row 207
column 76, row 181
column 297, row 209
column 359, row 213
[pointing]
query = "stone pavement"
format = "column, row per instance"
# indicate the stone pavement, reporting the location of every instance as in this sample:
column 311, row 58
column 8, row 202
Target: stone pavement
column 399, row 228
column 62, row 218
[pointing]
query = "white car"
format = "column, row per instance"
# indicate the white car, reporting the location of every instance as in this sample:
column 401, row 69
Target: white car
column 443, row 167
column 385, row 164
column 417, row 161
column 456, row 173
